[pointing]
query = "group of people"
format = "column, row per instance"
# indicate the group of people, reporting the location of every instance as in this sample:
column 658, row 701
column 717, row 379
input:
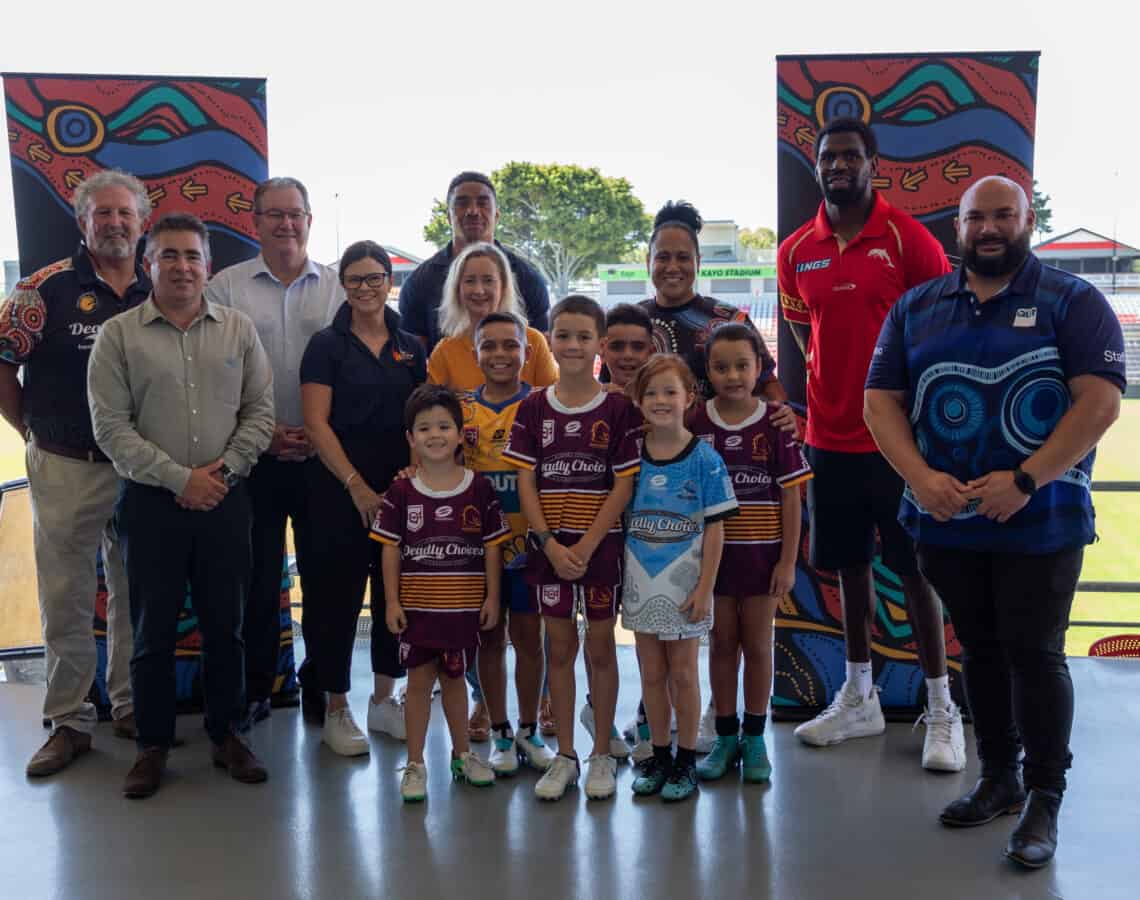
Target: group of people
column 462, row 460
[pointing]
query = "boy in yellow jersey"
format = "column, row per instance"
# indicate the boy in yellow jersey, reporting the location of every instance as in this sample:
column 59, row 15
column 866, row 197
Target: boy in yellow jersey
column 501, row 349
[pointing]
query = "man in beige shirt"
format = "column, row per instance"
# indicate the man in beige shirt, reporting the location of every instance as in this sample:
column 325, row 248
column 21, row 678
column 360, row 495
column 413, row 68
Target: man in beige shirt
column 181, row 396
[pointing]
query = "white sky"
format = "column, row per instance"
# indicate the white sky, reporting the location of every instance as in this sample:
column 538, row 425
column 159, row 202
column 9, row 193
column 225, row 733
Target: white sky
column 384, row 102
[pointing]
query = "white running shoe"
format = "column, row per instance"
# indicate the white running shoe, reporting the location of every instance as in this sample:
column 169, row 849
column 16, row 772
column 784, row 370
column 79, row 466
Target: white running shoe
column 562, row 773
column 387, row 717
column 470, row 768
column 533, row 752
column 413, row 786
column 706, row 734
column 342, row 735
column 504, row 760
column 601, row 781
column 848, row 716
column 618, row 747
column 944, row 748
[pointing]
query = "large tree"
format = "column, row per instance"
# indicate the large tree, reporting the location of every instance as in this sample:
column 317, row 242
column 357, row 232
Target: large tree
column 761, row 238
column 563, row 219
column 1041, row 208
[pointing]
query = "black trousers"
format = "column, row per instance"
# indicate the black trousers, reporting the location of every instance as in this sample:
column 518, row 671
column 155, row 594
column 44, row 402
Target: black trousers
column 164, row 547
column 277, row 494
column 1010, row 612
column 343, row 559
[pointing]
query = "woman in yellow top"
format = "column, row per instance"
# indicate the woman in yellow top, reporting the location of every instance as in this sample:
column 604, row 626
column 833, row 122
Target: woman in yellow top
column 480, row 282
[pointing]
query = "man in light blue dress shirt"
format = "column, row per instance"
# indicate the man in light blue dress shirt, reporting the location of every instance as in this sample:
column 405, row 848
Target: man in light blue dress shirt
column 289, row 297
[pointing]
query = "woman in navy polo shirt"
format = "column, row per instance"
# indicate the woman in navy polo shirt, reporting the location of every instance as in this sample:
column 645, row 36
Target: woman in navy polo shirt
column 356, row 376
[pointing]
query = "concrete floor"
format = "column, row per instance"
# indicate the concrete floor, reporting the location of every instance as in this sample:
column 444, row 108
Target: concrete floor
column 854, row 821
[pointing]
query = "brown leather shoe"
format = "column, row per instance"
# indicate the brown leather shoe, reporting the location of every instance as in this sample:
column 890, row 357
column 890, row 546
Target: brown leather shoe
column 59, row 752
column 145, row 775
column 241, row 762
column 125, row 727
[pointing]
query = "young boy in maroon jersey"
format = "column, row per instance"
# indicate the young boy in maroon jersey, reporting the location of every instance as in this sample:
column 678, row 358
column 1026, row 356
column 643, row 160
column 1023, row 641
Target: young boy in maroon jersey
column 441, row 530
column 576, row 446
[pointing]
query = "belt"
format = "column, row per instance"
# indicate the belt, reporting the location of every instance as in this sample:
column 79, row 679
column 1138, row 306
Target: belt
column 73, row 452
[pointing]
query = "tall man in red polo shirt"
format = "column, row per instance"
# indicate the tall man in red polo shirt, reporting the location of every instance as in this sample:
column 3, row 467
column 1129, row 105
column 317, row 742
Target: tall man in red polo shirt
column 839, row 275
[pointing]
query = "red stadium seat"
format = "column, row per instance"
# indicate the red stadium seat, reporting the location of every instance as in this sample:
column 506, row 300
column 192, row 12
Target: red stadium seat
column 1117, row 645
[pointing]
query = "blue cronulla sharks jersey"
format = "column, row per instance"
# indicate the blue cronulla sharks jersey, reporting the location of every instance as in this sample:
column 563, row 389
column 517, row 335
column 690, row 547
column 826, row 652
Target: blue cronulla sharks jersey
column 674, row 501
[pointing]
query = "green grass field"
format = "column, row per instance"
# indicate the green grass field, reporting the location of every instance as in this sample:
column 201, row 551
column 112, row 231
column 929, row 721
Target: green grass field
column 1114, row 557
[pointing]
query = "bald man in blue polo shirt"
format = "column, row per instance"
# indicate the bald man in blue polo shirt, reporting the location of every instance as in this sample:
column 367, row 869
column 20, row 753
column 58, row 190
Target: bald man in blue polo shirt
column 988, row 392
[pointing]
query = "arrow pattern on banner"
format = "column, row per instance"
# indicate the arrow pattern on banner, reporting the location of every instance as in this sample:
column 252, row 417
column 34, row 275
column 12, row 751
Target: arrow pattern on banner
column 805, row 136
column 912, row 178
column 954, row 171
column 13, row 135
column 38, row 153
column 237, row 203
column 156, row 194
column 73, row 178
column 781, row 119
column 881, row 182
column 191, row 190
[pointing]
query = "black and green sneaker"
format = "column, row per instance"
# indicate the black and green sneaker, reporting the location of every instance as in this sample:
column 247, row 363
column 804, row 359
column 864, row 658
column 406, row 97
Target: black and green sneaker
column 653, row 773
column 681, row 783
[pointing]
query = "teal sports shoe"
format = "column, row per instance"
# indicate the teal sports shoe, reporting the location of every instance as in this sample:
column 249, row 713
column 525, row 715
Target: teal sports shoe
column 681, row 784
column 652, row 777
column 724, row 756
column 756, row 767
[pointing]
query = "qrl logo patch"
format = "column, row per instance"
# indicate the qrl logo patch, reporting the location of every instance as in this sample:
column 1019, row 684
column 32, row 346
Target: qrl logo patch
column 415, row 517
column 551, row 594
column 1025, row 318
column 547, row 432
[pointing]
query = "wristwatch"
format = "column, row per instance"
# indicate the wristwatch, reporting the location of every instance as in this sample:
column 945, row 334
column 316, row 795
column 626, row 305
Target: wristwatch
column 1024, row 482
column 541, row 537
column 230, row 478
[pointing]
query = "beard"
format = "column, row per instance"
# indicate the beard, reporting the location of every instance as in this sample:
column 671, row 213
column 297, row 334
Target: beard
column 995, row 266
column 114, row 246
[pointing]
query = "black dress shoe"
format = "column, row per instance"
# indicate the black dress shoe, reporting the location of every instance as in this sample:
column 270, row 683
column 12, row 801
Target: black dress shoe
column 1034, row 840
column 313, row 706
column 990, row 798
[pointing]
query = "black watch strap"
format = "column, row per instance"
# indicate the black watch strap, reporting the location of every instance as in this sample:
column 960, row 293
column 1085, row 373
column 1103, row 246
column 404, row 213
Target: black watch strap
column 1024, row 482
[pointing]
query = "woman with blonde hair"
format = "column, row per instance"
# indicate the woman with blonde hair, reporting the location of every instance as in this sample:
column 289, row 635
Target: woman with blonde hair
column 479, row 282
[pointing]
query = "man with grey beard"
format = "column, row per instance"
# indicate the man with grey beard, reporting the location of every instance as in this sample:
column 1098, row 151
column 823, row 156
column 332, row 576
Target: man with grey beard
column 47, row 328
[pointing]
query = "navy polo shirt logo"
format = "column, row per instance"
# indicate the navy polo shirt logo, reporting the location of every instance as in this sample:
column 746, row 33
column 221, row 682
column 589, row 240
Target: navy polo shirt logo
column 87, row 303
column 1025, row 318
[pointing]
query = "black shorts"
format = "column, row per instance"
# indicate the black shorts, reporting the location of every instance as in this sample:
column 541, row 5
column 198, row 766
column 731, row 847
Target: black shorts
column 850, row 495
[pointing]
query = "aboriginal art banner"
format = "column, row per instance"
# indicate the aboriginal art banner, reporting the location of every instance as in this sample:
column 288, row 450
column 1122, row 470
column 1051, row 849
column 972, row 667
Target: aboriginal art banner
column 942, row 121
column 199, row 144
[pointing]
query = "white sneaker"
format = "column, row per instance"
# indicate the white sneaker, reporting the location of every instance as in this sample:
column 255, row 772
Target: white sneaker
column 848, row 716
column 618, row 747
column 504, row 760
column 601, row 781
column 944, row 748
column 342, row 735
column 533, row 752
column 706, row 734
column 562, row 773
column 470, row 768
column 387, row 717
column 413, row 786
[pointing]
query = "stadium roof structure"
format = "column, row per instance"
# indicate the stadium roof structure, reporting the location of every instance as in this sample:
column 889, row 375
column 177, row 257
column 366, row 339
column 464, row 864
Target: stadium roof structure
column 1081, row 243
column 400, row 257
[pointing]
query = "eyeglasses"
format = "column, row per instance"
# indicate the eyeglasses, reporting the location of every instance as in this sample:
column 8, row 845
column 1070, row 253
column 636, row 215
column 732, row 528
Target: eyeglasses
column 356, row 282
column 280, row 215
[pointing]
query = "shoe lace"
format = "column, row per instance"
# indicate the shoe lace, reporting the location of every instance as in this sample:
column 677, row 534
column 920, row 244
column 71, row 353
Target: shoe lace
column 938, row 724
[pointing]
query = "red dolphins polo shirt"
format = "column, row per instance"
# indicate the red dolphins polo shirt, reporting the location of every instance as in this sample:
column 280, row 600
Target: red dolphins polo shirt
column 844, row 293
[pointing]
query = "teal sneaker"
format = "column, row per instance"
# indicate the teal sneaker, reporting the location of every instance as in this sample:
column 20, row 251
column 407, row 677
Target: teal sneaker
column 755, row 755
column 681, row 784
column 652, row 777
column 724, row 756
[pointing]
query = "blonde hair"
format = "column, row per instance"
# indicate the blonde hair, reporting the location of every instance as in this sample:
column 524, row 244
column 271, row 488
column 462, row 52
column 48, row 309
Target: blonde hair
column 454, row 319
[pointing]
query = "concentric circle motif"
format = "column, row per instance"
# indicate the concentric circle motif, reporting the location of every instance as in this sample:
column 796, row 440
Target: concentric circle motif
column 75, row 129
column 1031, row 409
column 957, row 412
column 842, row 101
column 32, row 317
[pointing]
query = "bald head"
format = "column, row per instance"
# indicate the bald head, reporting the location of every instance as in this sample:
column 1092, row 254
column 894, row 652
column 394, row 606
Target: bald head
column 995, row 222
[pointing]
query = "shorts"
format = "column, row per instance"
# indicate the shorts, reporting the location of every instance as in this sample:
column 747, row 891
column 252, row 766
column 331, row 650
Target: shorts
column 567, row 601
column 516, row 595
column 850, row 495
column 452, row 663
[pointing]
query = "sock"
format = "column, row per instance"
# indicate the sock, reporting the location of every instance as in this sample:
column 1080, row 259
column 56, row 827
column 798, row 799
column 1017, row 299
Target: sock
column 503, row 730
column 859, row 677
column 686, row 757
column 754, row 723
column 938, row 691
column 727, row 726
column 663, row 754
column 526, row 729
column 641, row 718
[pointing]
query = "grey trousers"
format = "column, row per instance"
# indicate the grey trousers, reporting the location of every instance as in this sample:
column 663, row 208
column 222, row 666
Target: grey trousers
column 73, row 502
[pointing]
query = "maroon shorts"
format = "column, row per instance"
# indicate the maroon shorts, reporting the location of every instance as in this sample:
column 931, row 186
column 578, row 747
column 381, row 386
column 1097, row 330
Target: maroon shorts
column 567, row 601
column 452, row 663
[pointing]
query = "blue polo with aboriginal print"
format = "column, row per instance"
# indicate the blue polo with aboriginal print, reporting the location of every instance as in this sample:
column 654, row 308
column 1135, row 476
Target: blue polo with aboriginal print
column 987, row 383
